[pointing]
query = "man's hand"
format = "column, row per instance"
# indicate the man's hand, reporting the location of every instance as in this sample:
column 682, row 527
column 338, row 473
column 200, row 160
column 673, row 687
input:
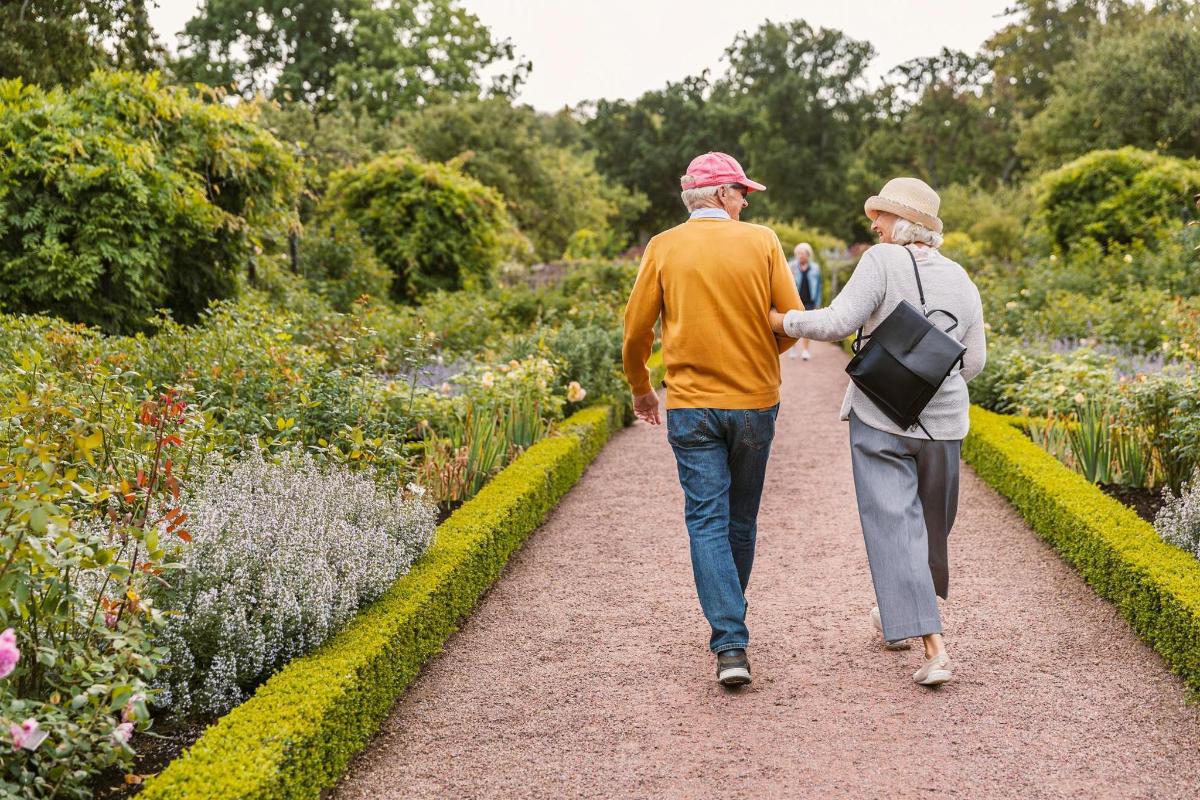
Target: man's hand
column 645, row 407
column 777, row 322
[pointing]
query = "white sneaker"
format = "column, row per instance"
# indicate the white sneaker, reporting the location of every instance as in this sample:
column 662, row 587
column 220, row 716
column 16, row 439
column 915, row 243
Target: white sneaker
column 805, row 355
column 792, row 354
column 936, row 671
column 877, row 623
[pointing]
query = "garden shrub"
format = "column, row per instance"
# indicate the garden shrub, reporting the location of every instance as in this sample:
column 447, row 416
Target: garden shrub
column 340, row 267
column 282, row 555
column 1116, row 198
column 90, row 474
column 992, row 219
column 793, row 233
column 432, row 226
column 1178, row 521
column 1155, row 586
column 298, row 733
column 121, row 197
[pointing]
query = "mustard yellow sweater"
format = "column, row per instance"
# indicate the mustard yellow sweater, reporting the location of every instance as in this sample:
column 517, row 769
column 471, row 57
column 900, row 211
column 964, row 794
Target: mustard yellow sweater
column 712, row 281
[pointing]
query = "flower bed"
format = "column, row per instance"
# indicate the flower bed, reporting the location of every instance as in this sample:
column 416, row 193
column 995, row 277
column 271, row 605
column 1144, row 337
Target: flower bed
column 1155, row 585
column 300, row 730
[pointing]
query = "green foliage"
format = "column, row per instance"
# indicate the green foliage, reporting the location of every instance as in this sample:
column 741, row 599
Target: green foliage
column 1116, row 198
column 646, row 144
column 793, row 233
column 994, row 219
column 1129, row 85
column 340, row 267
column 89, row 492
column 1156, row 586
column 432, row 226
column 380, row 57
column 947, row 133
column 1091, row 442
column 48, row 42
column 1165, row 407
column 799, row 94
column 553, row 192
column 300, row 730
column 102, row 222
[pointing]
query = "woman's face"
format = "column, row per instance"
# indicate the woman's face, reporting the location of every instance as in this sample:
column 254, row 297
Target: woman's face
column 882, row 226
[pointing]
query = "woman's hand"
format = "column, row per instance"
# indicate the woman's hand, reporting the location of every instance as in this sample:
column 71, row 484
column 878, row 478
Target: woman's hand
column 777, row 322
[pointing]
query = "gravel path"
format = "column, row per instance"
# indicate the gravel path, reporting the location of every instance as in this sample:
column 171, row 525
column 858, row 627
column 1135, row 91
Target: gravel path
column 585, row 673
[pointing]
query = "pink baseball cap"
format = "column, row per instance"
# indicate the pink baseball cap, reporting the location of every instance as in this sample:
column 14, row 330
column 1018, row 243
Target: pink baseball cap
column 716, row 169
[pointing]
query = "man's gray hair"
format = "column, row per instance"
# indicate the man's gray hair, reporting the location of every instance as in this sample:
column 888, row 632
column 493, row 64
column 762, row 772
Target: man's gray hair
column 908, row 232
column 697, row 198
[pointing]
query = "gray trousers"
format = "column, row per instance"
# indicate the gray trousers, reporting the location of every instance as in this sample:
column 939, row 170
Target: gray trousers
column 907, row 499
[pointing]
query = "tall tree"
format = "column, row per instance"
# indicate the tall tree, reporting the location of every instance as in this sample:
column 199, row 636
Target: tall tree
column 803, row 98
column 1131, row 85
column 552, row 191
column 937, row 124
column 50, row 42
column 386, row 56
column 646, row 144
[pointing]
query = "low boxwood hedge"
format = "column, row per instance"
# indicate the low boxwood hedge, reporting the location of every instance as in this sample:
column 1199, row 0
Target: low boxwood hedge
column 1156, row 585
column 298, row 732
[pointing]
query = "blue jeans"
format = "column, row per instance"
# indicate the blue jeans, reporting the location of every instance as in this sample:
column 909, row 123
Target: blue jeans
column 722, row 458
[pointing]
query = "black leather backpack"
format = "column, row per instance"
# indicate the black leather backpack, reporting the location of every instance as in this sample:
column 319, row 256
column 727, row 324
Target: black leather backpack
column 903, row 365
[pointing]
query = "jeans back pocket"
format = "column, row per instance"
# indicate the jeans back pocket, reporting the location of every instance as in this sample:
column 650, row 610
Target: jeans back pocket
column 688, row 427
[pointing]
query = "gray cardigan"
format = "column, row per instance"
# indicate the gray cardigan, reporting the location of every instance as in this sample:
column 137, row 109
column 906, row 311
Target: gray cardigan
column 883, row 277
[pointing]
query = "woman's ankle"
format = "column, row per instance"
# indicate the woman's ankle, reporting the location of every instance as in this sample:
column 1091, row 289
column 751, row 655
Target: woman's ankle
column 934, row 645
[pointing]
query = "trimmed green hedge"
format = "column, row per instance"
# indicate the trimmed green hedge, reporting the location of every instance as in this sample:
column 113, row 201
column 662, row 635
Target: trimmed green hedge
column 1156, row 586
column 297, row 734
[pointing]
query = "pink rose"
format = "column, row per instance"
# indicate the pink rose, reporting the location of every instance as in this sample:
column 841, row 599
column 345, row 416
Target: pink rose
column 122, row 733
column 26, row 735
column 9, row 654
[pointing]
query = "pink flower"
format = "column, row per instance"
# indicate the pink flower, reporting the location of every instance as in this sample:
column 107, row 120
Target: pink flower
column 26, row 735
column 110, row 619
column 122, row 733
column 129, row 712
column 9, row 654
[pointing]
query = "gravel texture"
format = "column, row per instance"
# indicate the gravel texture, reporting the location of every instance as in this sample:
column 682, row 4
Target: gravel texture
column 585, row 673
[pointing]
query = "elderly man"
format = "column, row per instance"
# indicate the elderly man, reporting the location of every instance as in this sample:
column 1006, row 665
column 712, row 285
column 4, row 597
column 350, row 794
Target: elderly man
column 713, row 281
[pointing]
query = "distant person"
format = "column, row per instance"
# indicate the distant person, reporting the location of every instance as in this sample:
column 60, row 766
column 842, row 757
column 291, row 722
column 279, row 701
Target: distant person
column 713, row 281
column 906, row 480
column 807, row 274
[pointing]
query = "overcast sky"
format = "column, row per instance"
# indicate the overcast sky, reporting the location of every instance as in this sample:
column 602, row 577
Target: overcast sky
column 588, row 49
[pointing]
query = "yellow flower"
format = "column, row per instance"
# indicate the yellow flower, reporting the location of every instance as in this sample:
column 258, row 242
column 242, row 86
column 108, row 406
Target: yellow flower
column 1011, row 304
column 1024, row 293
column 1080, row 399
column 488, row 380
column 1128, row 258
column 1053, row 258
column 575, row 392
column 1060, row 390
column 446, row 389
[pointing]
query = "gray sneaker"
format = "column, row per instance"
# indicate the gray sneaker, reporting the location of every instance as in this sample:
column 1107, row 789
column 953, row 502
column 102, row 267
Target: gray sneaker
column 877, row 623
column 733, row 668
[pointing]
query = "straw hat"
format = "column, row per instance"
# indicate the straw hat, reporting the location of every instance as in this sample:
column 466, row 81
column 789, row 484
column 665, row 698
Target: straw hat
column 910, row 198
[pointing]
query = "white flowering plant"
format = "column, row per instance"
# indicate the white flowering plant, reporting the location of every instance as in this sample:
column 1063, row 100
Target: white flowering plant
column 1178, row 521
column 282, row 555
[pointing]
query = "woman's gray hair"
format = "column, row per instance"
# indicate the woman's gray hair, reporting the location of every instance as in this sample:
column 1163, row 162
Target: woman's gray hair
column 908, row 232
column 806, row 247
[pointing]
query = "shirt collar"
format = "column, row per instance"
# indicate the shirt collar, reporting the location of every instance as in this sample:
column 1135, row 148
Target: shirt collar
column 710, row 213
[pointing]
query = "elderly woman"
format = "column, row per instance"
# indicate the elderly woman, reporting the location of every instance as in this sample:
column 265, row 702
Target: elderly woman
column 806, row 272
column 906, row 481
